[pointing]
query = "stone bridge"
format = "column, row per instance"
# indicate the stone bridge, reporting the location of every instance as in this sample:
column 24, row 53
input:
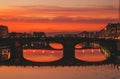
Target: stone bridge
column 16, row 45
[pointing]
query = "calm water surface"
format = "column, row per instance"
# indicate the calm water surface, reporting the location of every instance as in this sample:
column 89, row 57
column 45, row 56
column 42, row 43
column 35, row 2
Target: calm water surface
column 41, row 55
column 46, row 72
column 51, row 72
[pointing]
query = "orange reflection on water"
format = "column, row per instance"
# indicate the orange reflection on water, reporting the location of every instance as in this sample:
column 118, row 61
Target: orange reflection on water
column 56, row 45
column 90, row 55
column 78, row 46
column 40, row 55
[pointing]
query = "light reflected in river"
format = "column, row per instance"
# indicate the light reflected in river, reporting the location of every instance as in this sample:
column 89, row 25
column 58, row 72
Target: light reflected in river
column 56, row 45
column 90, row 55
column 83, row 72
column 41, row 55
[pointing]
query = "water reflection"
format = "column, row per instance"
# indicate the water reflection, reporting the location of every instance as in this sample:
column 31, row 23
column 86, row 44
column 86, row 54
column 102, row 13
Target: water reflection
column 56, row 45
column 41, row 55
column 119, row 67
column 78, row 46
column 90, row 55
column 82, row 72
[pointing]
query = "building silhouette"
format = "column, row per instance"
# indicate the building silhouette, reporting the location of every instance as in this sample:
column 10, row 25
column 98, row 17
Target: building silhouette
column 4, row 54
column 3, row 31
column 39, row 34
column 111, row 31
column 86, row 34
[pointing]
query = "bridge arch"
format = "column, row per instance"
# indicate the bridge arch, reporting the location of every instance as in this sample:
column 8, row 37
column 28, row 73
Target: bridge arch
column 91, row 51
column 68, row 45
column 45, row 53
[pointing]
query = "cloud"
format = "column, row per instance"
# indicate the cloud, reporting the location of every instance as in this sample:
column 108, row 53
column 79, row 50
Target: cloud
column 40, row 8
column 60, row 19
column 35, row 13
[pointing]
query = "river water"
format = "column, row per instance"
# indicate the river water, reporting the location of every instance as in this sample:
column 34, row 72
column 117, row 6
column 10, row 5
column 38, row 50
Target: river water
column 47, row 72
column 108, row 71
column 41, row 55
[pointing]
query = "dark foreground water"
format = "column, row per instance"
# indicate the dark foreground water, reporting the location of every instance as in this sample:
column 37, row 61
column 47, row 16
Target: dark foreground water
column 47, row 72
column 108, row 71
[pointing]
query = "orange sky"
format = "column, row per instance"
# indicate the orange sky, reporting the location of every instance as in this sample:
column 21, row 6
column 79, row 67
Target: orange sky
column 57, row 16
column 51, row 27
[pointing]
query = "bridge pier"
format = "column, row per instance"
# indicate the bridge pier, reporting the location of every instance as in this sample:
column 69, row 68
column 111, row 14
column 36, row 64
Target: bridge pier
column 16, row 52
column 68, row 52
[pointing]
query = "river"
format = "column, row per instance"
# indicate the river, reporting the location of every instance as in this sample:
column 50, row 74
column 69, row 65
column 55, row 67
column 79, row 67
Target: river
column 41, row 55
column 106, row 71
column 47, row 72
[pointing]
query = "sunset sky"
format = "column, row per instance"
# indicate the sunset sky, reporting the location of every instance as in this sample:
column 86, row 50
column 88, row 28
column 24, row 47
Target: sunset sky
column 57, row 15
